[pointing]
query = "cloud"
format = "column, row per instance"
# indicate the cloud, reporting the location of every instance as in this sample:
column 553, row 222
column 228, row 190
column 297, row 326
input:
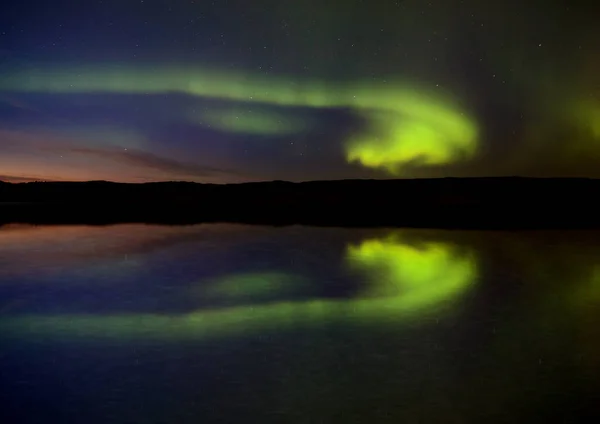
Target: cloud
column 23, row 179
column 16, row 104
column 149, row 160
column 43, row 154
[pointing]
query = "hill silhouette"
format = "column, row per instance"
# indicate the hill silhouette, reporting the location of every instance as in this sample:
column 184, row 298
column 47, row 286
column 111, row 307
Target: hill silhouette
column 507, row 202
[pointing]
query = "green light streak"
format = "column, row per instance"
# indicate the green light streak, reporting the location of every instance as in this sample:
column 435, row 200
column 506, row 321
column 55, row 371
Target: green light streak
column 406, row 125
column 587, row 292
column 416, row 141
column 587, row 117
column 403, row 280
column 250, row 121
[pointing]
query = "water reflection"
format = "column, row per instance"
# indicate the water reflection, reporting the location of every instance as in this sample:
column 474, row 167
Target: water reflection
column 416, row 276
column 396, row 279
column 235, row 324
column 249, row 287
column 587, row 292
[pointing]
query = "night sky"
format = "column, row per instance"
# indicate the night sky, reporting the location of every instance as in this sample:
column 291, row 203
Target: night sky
column 238, row 90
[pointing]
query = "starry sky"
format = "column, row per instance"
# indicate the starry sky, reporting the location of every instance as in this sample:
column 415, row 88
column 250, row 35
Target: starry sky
column 234, row 90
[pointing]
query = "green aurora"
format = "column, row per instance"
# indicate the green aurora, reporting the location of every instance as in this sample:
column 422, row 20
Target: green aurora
column 404, row 124
column 240, row 120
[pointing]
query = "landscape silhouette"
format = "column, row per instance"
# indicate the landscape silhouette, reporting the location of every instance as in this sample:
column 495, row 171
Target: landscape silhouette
column 498, row 202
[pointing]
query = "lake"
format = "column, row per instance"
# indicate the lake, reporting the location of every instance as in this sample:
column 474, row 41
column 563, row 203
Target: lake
column 224, row 323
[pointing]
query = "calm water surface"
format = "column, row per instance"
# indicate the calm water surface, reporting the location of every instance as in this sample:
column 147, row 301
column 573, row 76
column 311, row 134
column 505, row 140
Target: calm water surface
column 230, row 323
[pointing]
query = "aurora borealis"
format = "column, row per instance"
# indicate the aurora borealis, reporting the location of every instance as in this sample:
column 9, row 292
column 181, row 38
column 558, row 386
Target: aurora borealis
column 228, row 91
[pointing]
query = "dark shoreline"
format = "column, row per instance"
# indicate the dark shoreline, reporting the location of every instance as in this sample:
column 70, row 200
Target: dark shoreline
column 478, row 203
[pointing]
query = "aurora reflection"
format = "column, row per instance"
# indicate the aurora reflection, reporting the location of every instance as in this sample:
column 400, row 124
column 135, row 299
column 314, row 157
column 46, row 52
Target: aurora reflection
column 418, row 276
column 401, row 280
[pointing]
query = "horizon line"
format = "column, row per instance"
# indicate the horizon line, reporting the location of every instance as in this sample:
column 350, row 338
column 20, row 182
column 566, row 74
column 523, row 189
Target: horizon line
column 53, row 181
